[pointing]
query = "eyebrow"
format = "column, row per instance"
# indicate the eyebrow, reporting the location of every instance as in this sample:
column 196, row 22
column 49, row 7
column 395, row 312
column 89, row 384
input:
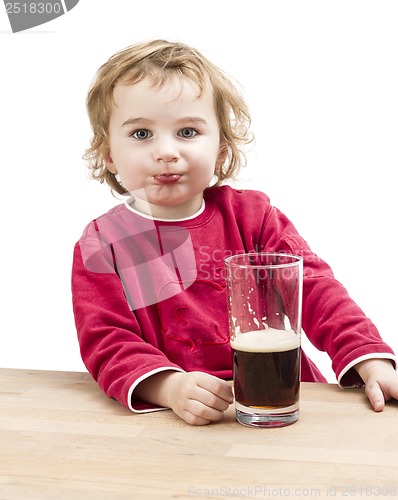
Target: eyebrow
column 134, row 121
column 185, row 119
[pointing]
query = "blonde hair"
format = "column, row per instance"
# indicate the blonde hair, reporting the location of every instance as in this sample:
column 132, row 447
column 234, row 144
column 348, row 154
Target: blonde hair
column 161, row 60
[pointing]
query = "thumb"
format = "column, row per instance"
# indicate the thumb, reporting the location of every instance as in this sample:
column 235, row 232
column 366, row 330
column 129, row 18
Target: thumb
column 375, row 395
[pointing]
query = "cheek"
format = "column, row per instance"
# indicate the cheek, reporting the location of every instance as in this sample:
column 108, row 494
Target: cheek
column 125, row 158
column 206, row 153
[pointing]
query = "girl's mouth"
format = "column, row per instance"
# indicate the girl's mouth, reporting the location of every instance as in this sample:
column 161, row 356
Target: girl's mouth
column 167, row 178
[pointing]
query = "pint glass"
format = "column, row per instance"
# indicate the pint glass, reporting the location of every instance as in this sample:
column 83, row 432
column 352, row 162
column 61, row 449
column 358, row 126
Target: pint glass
column 264, row 294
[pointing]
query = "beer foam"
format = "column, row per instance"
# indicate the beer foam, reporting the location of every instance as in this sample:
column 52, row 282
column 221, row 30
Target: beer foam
column 269, row 340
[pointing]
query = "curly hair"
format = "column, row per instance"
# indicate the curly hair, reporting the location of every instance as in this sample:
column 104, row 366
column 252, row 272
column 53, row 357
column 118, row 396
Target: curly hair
column 161, row 60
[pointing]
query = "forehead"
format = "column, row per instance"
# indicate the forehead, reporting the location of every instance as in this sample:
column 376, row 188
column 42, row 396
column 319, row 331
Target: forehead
column 173, row 90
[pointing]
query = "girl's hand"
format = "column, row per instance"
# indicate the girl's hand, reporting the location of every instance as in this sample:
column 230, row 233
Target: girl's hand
column 381, row 381
column 199, row 398
column 196, row 397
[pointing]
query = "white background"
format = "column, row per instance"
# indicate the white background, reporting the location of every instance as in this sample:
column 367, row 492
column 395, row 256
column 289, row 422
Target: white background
column 321, row 80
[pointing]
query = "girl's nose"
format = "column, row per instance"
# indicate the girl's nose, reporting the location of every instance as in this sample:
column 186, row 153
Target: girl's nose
column 166, row 150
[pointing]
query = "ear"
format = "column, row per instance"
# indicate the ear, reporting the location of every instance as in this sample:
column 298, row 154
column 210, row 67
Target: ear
column 222, row 156
column 109, row 161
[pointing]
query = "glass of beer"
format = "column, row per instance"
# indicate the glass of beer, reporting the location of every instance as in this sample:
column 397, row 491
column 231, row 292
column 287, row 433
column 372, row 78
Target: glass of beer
column 264, row 293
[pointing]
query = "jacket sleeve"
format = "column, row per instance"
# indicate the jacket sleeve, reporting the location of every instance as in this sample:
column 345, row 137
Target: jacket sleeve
column 332, row 321
column 111, row 342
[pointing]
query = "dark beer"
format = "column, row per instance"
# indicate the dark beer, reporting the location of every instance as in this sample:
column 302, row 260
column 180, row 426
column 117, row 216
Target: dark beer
column 266, row 369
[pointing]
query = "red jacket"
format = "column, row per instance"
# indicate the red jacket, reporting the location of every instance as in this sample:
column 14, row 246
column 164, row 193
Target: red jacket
column 149, row 295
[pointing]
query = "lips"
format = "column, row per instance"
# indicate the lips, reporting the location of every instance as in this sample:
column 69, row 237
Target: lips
column 167, row 178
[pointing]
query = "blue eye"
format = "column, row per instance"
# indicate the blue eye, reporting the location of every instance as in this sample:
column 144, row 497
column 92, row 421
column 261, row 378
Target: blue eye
column 187, row 133
column 141, row 134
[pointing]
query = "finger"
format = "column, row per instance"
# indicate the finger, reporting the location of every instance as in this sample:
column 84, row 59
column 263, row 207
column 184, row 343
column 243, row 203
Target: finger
column 226, row 392
column 389, row 389
column 210, row 399
column 375, row 396
column 221, row 388
column 192, row 419
column 202, row 411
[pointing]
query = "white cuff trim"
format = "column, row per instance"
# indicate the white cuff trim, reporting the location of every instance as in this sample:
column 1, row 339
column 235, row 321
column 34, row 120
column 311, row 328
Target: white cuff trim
column 143, row 377
column 374, row 355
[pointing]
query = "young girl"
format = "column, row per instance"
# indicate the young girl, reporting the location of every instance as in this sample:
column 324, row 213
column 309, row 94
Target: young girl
column 148, row 287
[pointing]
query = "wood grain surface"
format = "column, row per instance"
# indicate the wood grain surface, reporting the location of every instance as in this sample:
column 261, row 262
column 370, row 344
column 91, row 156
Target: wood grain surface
column 62, row 438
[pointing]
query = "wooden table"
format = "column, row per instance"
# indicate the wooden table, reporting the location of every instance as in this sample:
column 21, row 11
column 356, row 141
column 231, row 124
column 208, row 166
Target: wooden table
column 61, row 437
